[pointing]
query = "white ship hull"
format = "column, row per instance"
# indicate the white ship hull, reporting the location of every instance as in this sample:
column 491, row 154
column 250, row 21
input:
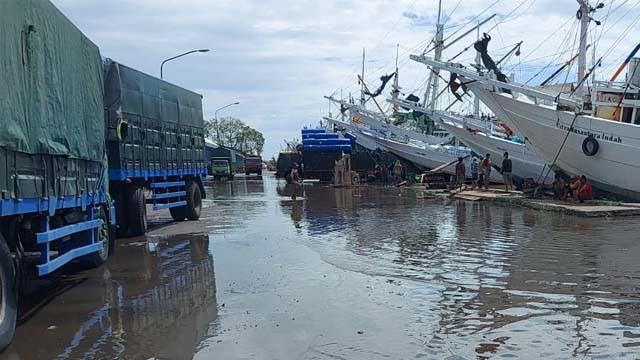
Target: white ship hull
column 367, row 142
column 397, row 133
column 614, row 168
column 526, row 163
column 432, row 156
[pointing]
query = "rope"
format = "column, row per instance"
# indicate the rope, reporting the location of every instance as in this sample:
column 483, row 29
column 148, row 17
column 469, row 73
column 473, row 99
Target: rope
column 555, row 159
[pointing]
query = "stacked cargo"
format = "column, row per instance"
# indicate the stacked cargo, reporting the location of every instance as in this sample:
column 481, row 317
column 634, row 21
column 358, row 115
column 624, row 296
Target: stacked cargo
column 320, row 150
column 319, row 140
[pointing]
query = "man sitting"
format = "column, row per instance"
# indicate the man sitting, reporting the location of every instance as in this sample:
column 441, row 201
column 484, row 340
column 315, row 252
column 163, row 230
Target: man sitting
column 559, row 188
column 585, row 192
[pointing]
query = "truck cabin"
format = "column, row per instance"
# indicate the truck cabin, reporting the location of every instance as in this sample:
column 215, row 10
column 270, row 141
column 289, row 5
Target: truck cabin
column 253, row 164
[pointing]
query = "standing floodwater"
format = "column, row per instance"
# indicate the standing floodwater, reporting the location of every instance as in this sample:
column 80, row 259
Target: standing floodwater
column 368, row 273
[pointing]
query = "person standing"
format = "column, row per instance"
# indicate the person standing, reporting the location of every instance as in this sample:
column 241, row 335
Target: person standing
column 295, row 181
column 487, row 170
column 384, row 174
column 461, row 173
column 474, row 172
column 397, row 171
column 481, row 173
column 507, row 172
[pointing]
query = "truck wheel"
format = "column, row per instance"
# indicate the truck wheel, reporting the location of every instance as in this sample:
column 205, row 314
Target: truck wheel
column 8, row 300
column 260, row 172
column 121, row 213
column 194, row 201
column 178, row 213
column 247, row 173
column 137, row 211
column 102, row 234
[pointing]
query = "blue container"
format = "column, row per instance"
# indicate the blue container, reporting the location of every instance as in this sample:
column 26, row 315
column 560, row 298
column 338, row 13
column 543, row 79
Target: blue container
column 326, row 142
column 324, row 148
column 320, row 136
column 313, row 131
column 345, row 148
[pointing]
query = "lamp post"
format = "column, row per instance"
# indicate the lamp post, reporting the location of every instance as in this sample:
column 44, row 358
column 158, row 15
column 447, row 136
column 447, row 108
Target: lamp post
column 224, row 107
column 181, row 55
column 216, row 117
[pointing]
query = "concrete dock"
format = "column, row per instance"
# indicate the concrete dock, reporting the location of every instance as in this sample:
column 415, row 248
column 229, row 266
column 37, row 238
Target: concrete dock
column 593, row 208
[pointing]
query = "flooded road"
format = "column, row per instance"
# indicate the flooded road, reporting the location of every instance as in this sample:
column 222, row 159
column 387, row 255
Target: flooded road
column 369, row 273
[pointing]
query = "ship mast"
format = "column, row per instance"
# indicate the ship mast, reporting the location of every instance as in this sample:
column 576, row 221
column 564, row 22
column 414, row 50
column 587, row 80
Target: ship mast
column 362, row 89
column 583, row 16
column 396, row 87
column 433, row 78
column 476, row 100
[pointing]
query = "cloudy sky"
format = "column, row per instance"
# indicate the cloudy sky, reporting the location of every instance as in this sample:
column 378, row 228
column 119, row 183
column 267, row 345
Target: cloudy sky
column 278, row 58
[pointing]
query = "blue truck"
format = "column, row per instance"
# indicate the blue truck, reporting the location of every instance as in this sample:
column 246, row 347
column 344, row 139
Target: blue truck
column 81, row 140
column 155, row 144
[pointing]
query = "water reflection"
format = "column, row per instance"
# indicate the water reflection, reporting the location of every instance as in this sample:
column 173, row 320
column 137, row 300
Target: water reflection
column 496, row 279
column 154, row 298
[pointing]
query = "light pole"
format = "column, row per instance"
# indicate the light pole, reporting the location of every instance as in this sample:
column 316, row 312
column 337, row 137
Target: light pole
column 215, row 116
column 224, row 107
column 181, row 55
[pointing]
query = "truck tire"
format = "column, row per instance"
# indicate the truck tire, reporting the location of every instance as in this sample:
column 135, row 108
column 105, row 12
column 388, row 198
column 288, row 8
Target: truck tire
column 121, row 213
column 137, row 211
column 247, row 173
column 194, row 201
column 178, row 213
column 8, row 296
column 260, row 172
column 102, row 234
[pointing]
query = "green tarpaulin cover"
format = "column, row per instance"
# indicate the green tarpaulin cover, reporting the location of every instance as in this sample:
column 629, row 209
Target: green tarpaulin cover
column 51, row 91
column 142, row 96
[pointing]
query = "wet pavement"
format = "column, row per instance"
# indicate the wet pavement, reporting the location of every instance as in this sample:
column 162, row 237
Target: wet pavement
column 368, row 273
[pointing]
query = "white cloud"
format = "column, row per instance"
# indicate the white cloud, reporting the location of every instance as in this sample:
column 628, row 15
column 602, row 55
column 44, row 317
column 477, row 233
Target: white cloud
column 278, row 58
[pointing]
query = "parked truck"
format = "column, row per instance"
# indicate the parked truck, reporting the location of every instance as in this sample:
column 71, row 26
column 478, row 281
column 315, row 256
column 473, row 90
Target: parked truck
column 253, row 165
column 155, row 142
column 222, row 168
column 54, row 201
column 77, row 133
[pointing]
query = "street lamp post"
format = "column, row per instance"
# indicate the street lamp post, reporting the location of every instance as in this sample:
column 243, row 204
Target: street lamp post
column 224, row 107
column 215, row 116
column 181, row 55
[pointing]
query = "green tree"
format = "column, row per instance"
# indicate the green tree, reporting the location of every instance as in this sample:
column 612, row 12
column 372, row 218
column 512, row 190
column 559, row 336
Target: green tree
column 234, row 133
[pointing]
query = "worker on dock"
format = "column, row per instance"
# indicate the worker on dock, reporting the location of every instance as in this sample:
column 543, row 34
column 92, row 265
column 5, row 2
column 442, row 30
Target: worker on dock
column 384, row 174
column 574, row 186
column 397, row 172
column 481, row 173
column 295, row 181
column 560, row 190
column 461, row 173
column 585, row 192
column 474, row 172
column 507, row 168
column 487, row 170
